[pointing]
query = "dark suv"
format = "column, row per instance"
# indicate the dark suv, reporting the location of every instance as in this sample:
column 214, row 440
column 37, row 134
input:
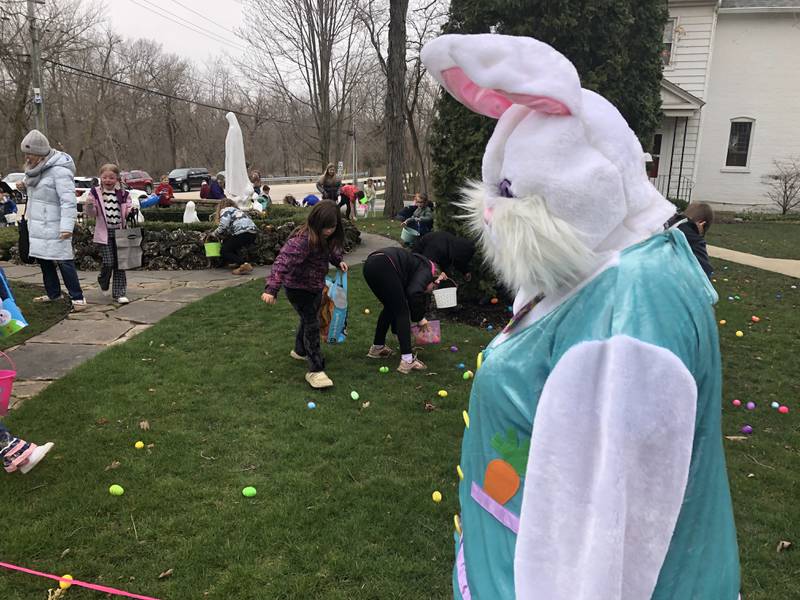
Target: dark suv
column 187, row 179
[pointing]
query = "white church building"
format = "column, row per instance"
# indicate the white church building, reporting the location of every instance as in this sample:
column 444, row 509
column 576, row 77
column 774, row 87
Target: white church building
column 730, row 100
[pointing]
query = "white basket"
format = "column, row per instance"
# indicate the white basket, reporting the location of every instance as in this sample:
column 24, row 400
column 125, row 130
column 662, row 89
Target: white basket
column 446, row 297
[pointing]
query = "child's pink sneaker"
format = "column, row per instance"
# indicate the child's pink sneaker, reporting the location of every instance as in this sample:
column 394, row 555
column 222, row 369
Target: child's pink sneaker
column 22, row 456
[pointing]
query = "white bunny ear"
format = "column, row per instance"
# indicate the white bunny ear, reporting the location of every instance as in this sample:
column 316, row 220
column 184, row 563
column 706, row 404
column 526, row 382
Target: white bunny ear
column 489, row 73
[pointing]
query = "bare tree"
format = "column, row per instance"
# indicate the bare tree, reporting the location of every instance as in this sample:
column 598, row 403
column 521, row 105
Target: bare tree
column 783, row 184
column 312, row 56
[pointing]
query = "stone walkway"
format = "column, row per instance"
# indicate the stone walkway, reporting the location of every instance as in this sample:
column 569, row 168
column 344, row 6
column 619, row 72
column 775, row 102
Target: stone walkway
column 783, row 266
column 153, row 294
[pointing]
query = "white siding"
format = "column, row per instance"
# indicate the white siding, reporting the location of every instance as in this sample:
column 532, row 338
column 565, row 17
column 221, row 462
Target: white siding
column 691, row 48
column 754, row 73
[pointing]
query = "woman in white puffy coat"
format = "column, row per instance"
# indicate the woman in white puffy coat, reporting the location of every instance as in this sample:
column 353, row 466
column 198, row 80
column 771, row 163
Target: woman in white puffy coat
column 51, row 212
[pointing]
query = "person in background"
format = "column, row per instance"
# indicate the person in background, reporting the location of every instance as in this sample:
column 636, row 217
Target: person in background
column 329, row 183
column 290, row 200
column 19, row 455
column 447, row 251
column 255, row 179
column 215, row 191
column 370, row 194
column 109, row 206
column 165, row 193
column 205, row 190
column 348, row 196
column 401, row 281
column 422, row 218
column 694, row 223
column 300, row 268
column 237, row 231
column 311, row 200
column 9, row 210
column 51, row 212
column 264, row 198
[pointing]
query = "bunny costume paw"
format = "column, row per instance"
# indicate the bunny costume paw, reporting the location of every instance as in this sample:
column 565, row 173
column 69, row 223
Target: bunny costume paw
column 592, row 464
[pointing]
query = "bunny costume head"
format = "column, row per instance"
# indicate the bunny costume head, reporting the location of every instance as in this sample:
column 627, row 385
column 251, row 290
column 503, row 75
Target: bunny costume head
column 564, row 179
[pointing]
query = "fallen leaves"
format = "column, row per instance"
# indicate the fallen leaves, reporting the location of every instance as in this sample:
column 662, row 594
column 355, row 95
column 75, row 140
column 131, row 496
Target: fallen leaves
column 144, row 425
column 114, row 465
column 736, row 438
column 167, row 573
column 102, row 421
column 783, row 545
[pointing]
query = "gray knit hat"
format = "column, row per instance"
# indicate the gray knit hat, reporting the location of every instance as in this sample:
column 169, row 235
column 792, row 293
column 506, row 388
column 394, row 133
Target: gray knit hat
column 35, row 143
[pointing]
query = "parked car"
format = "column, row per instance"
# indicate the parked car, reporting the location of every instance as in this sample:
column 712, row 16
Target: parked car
column 187, row 179
column 11, row 179
column 137, row 180
column 84, row 184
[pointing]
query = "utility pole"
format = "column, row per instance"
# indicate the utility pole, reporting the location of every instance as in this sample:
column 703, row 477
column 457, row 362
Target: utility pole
column 36, row 64
column 355, row 164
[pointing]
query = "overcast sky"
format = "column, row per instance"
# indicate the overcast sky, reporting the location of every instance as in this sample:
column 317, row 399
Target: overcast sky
column 198, row 38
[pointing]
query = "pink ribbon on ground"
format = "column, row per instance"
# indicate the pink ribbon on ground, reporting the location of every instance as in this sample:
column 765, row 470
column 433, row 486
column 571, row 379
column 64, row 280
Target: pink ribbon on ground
column 91, row 586
column 494, row 508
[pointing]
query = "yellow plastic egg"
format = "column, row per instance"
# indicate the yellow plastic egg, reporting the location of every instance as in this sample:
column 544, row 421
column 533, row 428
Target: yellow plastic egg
column 64, row 585
column 139, row 445
column 466, row 418
column 442, row 393
column 460, row 472
column 739, row 334
column 437, row 496
column 457, row 524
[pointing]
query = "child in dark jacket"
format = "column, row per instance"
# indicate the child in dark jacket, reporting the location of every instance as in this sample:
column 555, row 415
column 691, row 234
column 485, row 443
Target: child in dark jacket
column 401, row 281
column 301, row 267
column 448, row 251
column 694, row 223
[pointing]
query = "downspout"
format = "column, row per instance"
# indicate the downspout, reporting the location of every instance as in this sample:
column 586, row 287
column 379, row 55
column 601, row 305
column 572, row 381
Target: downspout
column 683, row 152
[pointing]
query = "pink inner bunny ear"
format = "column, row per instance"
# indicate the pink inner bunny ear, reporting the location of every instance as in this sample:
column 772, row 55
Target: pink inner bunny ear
column 493, row 103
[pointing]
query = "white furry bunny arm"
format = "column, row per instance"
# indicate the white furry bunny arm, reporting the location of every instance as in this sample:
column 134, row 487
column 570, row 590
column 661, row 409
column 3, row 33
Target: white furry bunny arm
column 608, row 468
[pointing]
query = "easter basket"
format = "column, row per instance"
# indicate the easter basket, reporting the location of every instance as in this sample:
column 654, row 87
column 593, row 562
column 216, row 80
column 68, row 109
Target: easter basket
column 426, row 336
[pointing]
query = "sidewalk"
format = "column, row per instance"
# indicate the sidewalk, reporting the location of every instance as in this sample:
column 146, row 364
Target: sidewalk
column 784, row 266
column 153, row 294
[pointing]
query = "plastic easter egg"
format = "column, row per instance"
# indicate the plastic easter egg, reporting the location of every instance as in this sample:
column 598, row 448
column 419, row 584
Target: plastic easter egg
column 116, row 490
column 249, row 491
column 442, row 393
column 737, row 297
column 479, row 361
column 775, row 405
column 755, row 319
column 778, row 296
column 457, row 524
column 354, row 395
column 490, row 328
column 139, row 445
column 737, row 402
column 461, row 366
column 747, row 430
column 467, row 375
column 460, row 473
column 730, row 298
column 783, row 410
column 366, row 311
column 494, row 300
column 311, row 405
column 739, row 334
column 751, row 405
column 384, row 369
column 465, row 414
column 436, row 496
column 723, row 322
column 65, row 585
column 453, row 348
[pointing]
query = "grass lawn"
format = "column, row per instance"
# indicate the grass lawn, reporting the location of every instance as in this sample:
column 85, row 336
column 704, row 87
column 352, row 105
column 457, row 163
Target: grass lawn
column 40, row 316
column 770, row 239
column 8, row 237
column 381, row 226
column 344, row 504
column 343, row 507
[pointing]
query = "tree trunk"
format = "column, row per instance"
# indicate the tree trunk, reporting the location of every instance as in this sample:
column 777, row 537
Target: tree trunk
column 395, row 105
column 420, row 158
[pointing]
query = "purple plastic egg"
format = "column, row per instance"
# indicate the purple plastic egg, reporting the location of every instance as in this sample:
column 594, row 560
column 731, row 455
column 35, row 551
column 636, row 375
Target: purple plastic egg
column 453, row 348
column 751, row 405
column 747, row 430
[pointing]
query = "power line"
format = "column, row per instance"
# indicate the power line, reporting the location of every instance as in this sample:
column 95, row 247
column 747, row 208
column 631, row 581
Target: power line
column 202, row 16
column 70, row 70
column 193, row 27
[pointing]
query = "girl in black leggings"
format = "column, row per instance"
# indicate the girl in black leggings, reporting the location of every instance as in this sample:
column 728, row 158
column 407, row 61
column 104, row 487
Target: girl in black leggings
column 400, row 280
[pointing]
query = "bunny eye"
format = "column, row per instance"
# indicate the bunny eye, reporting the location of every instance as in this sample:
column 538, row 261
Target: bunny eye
column 505, row 189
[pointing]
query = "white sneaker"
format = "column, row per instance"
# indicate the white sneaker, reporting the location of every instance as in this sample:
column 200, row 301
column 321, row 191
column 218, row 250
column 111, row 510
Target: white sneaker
column 122, row 300
column 78, row 305
column 36, row 457
column 318, row 380
column 296, row 356
column 40, row 299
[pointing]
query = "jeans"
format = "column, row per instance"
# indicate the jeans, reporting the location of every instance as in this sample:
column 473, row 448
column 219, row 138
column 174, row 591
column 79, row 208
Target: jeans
column 5, row 436
column 344, row 201
column 306, row 342
column 51, row 283
column 385, row 283
column 232, row 247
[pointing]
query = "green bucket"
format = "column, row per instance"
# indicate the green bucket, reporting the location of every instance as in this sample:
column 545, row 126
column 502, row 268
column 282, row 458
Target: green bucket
column 212, row 249
column 409, row 235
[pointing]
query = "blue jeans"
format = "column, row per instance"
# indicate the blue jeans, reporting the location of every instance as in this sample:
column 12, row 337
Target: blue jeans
column 5, row 436
column 51, row 283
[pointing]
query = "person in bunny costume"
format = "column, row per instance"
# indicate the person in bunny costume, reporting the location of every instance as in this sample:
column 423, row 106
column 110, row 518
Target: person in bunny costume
column 592, row 463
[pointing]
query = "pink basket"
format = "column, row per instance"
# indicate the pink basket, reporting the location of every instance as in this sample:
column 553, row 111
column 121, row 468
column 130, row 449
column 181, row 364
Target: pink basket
column 432, row 335
column 6, row 384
